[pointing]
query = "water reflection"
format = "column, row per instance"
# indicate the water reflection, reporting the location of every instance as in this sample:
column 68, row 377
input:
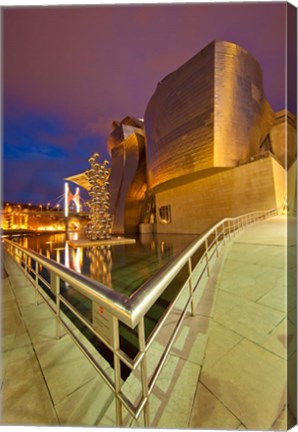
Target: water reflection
column 101, row 264
column 122, row 267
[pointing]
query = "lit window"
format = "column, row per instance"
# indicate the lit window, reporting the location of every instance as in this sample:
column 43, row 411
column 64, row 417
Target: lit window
column 165, row 214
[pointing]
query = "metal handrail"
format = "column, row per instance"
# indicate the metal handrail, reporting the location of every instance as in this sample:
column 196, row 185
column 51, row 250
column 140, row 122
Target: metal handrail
column 128, row 310
column 132, row 310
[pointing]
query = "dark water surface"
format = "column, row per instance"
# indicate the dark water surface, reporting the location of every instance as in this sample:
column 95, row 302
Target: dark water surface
column 124, row 268
column 121, row 267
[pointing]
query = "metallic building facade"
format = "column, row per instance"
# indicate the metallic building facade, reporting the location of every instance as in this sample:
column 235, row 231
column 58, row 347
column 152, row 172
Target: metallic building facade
column 284, row 130
column 212, row 148
column 128, row 179
column 209, row 113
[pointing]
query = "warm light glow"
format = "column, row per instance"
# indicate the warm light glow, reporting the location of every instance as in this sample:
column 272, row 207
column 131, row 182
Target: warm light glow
column 66, row 193
column 56, row 227
column 76, row 200
column 66, row 255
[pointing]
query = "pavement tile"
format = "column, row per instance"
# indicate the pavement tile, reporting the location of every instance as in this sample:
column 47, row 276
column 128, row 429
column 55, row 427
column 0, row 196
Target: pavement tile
column 282, row 340
column 284, row 421
column 249, row 319
column 220, row 341
column 250, row 382
column 90, row 401
column 209, row 413
column 177, row 409
column 64, row 366
column 167, row 407
column 25, row 399
column 275, row 299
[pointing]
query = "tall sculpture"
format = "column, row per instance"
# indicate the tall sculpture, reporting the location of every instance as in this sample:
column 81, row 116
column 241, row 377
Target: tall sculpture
column 99, row 227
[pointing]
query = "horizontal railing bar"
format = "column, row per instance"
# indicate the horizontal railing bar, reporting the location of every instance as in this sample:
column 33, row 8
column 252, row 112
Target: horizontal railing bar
column 43, row 280
column 141, row 405
column 132, row 364
column 46, row 299
column 131, row 408
column 84, row 320
column 113, row 301
column 88, row 355
column 165, row 316
column 168, row 347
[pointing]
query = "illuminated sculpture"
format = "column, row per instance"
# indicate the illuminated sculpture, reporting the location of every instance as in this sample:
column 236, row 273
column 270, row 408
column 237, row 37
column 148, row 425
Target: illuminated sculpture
column 98, row 175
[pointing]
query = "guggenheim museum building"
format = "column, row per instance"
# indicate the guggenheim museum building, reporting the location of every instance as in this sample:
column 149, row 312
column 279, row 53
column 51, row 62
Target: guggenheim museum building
column 209, row 146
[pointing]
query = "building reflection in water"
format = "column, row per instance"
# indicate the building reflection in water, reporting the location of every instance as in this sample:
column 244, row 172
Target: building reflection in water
column 99, row 260
column 123, row 268
column 101, row 264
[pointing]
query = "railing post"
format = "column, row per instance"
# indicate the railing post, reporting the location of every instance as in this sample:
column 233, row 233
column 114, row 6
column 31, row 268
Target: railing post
column 117, row 371
column 223, row 234
column 192, row 306
column 55, row 287
column 144, row 376
column 26, row 264
column 207, row 257
column 229, row 227
column 36, row 283
column 216, row 241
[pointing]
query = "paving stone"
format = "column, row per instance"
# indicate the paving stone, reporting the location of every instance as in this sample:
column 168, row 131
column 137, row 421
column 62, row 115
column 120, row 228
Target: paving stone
column 282, row 340
column 284, row 421
column 250, row 382
column 25, row 399
column 178, row 409
column 220, row 341
column 209, row 413
column 64, row 366
column 91, row 402
column 247, row 318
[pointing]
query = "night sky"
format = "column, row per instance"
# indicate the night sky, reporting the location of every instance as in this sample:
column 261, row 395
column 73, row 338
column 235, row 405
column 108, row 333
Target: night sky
column 70, row 71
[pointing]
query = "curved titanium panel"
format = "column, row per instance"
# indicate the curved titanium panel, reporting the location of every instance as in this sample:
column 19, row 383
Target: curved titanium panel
column 211, row 112
column 179, row 120
column 242, row 115
column 128, row 180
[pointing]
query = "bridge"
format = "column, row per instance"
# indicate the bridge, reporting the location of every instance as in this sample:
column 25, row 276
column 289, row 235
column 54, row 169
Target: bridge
column 231, row 353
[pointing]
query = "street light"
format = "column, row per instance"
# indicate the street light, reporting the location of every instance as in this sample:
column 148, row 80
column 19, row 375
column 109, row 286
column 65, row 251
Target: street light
column 48, row 205
column 40, row 205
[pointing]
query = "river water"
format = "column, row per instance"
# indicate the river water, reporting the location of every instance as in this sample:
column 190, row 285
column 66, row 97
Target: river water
column 121, row 267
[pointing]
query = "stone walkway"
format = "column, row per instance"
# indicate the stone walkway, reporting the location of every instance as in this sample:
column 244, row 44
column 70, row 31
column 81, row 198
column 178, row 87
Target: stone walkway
column 251, row 336
column 227, row 369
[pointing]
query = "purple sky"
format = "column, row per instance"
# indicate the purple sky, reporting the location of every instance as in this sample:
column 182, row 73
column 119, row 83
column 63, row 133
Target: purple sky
column 70, row 71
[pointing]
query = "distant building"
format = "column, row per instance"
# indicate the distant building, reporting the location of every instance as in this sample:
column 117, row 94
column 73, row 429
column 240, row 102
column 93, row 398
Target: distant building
column 30, row 217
